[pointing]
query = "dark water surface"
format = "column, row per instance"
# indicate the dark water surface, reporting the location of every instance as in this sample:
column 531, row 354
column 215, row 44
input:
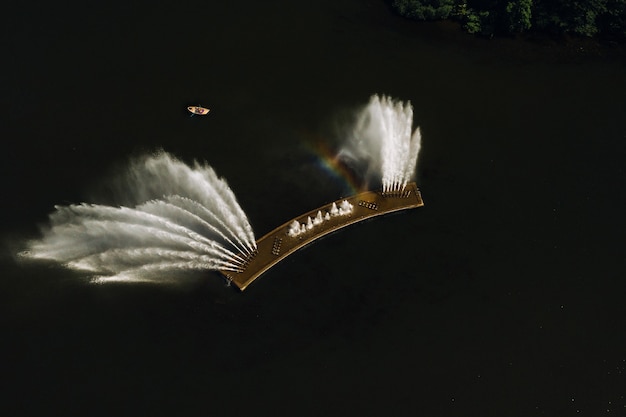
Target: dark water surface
column 503, row 296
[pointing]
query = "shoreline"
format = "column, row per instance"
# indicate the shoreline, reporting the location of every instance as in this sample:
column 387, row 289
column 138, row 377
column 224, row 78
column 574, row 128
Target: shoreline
column 529, row 46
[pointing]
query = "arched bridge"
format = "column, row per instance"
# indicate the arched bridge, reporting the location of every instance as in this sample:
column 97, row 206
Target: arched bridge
column 293, row 235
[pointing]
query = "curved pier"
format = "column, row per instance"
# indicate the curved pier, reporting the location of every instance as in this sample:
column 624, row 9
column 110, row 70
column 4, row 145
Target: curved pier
column 293, row 235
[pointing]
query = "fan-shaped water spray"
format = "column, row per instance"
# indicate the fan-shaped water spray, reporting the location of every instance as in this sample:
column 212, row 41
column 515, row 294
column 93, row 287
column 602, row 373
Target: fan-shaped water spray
column 187, row 219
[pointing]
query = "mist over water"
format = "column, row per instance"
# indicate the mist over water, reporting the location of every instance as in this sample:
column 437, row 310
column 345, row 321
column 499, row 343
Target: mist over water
column 187, row 219
column 382, row 144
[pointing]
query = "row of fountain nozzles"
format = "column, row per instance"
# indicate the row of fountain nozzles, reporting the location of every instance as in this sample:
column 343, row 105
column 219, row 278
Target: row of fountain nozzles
column 296, row 228
column 397, row 190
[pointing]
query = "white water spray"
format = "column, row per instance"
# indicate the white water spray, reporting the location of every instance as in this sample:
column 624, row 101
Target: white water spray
column 382, row 141
column 187, row 219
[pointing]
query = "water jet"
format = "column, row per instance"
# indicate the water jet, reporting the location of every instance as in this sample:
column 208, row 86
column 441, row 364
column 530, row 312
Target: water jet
column 381, row 139
column 187, row 218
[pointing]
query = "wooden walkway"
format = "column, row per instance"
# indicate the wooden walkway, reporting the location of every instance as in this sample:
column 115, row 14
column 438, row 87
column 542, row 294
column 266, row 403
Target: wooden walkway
column 293, row 235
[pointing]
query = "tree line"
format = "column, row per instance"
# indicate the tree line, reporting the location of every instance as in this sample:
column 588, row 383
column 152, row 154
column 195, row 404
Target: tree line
column 591, row 18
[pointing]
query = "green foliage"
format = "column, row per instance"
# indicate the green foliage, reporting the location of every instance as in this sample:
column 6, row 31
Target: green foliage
column 475, row 20
column 472, row 23
column 605, row 18
column 517, row 15
column 613, row 23
column 567, row 16
column 424, row 9
column 479, row 22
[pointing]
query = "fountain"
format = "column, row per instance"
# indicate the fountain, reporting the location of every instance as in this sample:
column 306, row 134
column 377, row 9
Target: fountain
column 186, row 218
column 382, row 143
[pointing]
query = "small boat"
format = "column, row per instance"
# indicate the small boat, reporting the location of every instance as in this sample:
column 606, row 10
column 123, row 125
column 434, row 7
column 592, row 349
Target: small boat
column 198, row 110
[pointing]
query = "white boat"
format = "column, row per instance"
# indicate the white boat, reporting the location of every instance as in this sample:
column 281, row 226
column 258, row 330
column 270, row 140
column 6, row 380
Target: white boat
column 198, row 110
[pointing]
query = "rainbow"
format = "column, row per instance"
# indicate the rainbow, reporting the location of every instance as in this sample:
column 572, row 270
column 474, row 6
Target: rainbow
column 328, row 161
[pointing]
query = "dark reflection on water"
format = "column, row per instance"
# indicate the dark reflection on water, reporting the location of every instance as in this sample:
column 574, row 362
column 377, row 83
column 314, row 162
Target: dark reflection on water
column 502, row 296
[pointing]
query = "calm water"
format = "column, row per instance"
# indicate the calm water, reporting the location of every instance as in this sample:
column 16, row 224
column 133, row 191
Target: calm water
column 502, row 296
